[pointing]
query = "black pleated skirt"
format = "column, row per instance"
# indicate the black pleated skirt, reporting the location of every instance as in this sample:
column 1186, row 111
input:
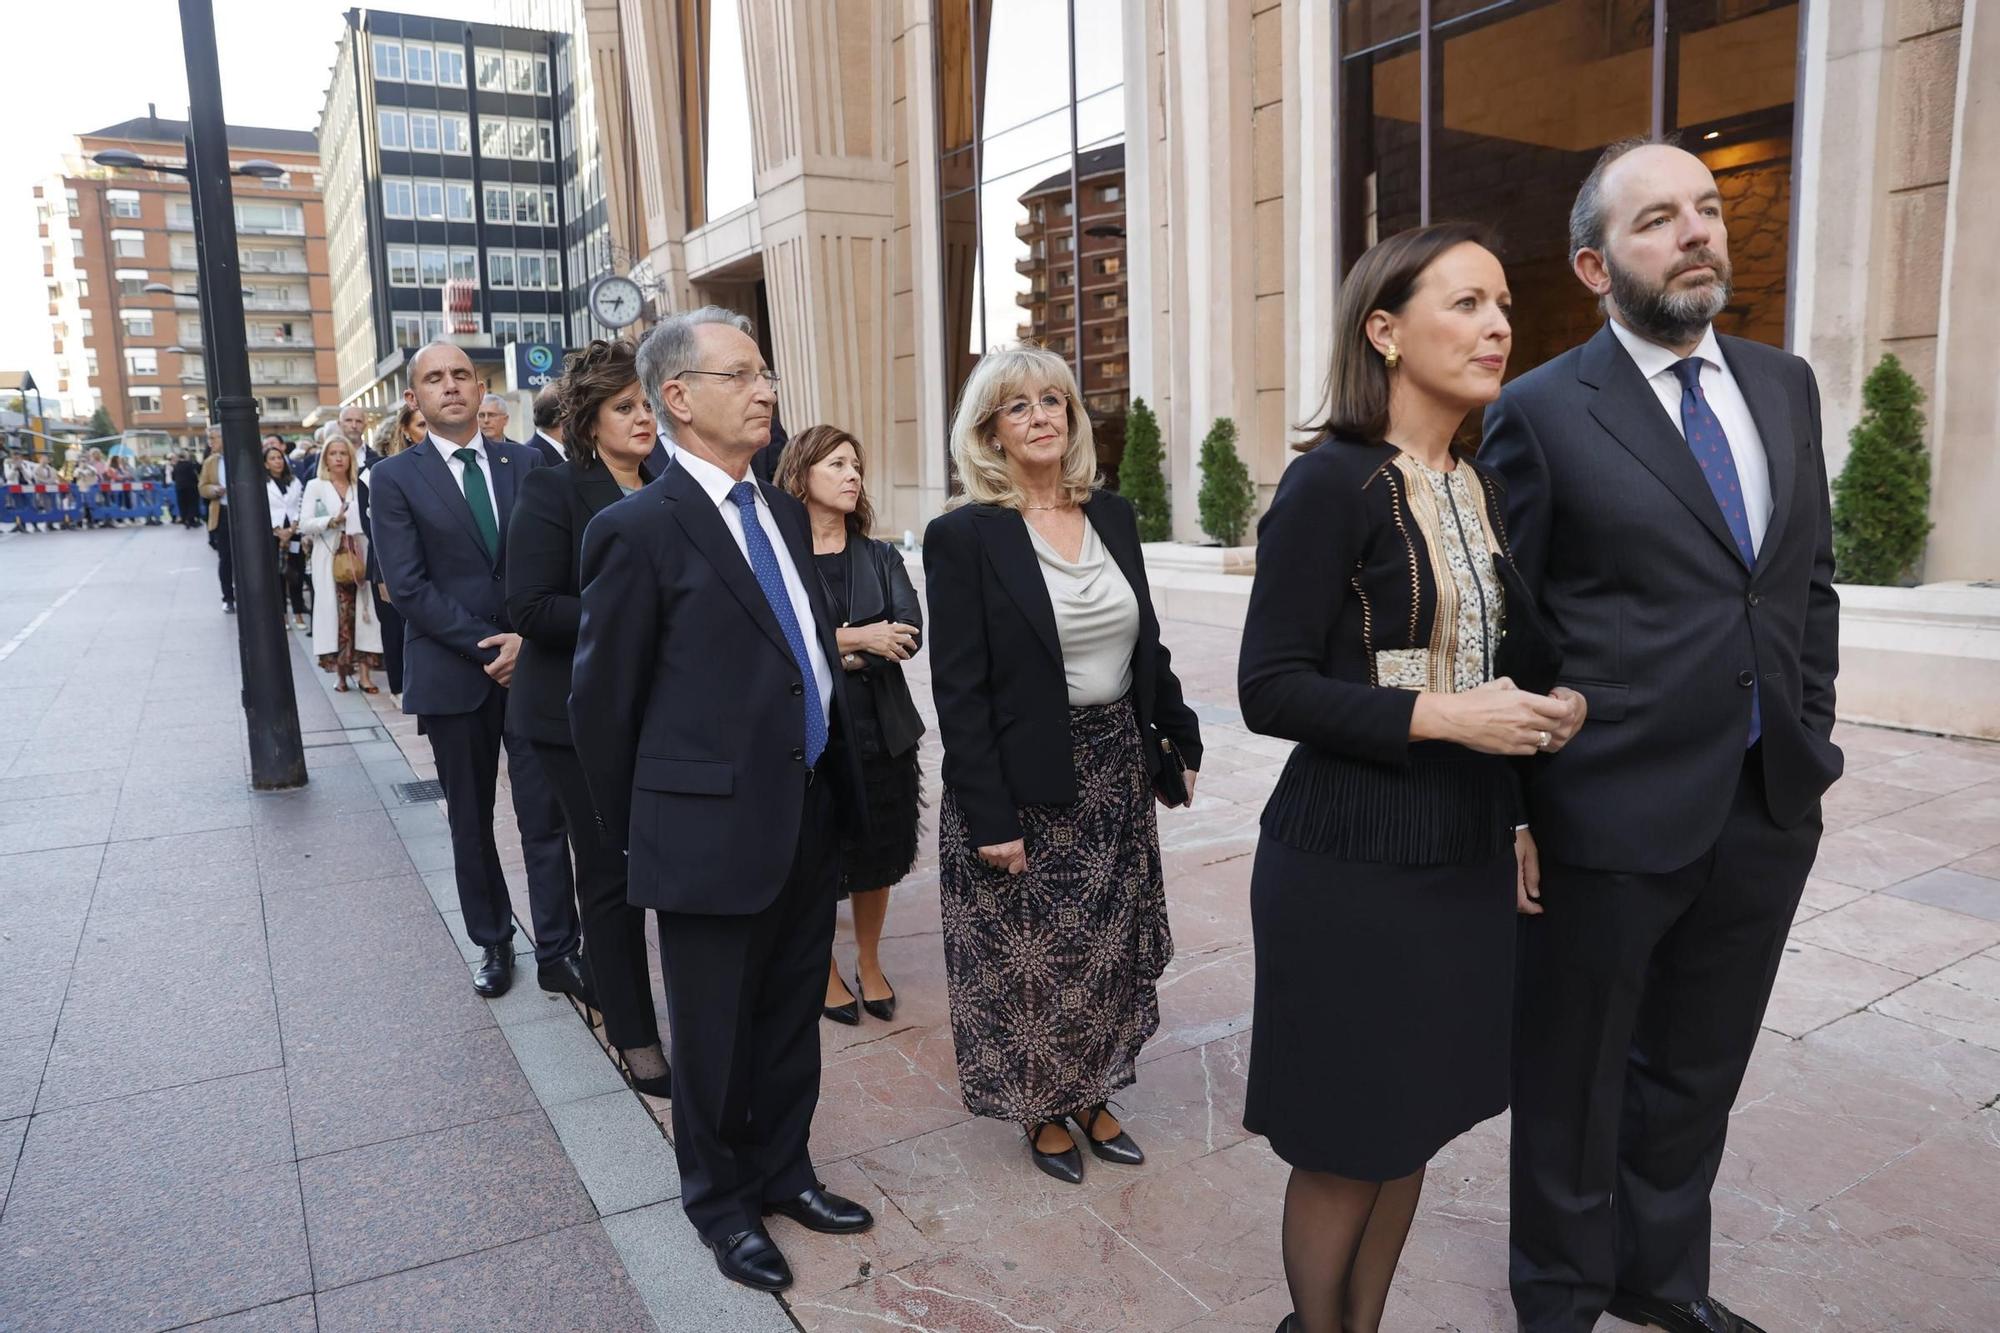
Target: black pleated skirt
column 880, row 857
column 1384, row 1007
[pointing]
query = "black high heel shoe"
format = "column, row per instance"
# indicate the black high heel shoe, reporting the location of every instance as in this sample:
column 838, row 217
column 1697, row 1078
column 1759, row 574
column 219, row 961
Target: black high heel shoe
column 849, row 1013
column 1120, row 1148
column 882, row 1009
column 658, row 1085
column 1066, row 1166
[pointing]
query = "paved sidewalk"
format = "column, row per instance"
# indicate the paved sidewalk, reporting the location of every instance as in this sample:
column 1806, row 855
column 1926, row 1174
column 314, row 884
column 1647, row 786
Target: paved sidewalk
column 258, row 1077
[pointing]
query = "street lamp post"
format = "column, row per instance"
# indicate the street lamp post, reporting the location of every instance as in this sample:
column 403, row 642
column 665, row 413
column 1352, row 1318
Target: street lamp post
column 277, row 754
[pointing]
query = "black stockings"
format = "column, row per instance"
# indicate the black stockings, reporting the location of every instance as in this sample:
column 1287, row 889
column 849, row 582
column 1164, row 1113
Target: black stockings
column 1342, row 1239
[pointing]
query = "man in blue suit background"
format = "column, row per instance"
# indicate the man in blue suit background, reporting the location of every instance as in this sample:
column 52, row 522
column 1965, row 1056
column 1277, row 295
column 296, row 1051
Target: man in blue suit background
column 439, row 513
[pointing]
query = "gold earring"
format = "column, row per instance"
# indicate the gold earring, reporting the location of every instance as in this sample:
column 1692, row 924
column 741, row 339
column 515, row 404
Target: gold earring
column 1392, row 358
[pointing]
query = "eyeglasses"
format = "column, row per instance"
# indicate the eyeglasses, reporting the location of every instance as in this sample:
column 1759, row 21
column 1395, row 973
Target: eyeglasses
column 739, row 378
column 1019, row 410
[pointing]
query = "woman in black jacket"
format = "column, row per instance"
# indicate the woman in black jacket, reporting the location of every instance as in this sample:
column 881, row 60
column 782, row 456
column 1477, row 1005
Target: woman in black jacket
column 610, row 432
column 881, row 627
column 1382, row 903
column 1061, row 718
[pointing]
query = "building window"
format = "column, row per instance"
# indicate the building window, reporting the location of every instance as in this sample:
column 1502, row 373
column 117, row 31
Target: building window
column 521, row 139
column 423, row 131
column 457, row 201
column 520, row 73
column 464, row 265
column 123, row 203
column 528, row 268
column 455, row 133
column 542, row 76
column 493, row 137
column 549, row 205
column 402, row 266
column 432, row 266
column 506, row 329
column 450, row 67
column 145, row 400
column 500, row 269
column 417, row 62
column 388, row 59
column 1110, row 194
column 409, row 330
column 128, row 244
column 270, row 219
column 138, row 323
column 1107, row 301
column 190, row 330
column 285, row 406
column 398, row 200
column 552, row 274
column 180, row 214
column 545, row 140
column 528, row 205
column 490, row 68
column 395, row 128
column 433, row 327
column 142, row 361
column 430, row 200
column 1110, row 264
column 499, row 205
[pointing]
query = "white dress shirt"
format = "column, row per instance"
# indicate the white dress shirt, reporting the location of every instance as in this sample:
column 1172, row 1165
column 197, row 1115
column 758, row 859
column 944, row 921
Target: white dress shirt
column 1725, row 399
column 285, row 503
column 562, row 450
column 477, row 444
column 718, row 484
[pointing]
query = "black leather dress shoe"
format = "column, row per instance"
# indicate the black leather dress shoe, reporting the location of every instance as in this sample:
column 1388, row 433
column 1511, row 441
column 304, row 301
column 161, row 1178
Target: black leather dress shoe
column 1706, row 1315
column 882, row 1009
column 1066, row 1166
column 818, row 1209
column 495, row 972
column 752, row 1258
column 565, row 976
column 1120, row 1148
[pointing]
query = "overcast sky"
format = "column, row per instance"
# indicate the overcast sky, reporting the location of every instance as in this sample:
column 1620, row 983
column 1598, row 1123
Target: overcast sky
column 79, row 65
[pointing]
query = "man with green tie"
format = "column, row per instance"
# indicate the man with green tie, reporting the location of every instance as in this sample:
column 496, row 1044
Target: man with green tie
column 439, row 516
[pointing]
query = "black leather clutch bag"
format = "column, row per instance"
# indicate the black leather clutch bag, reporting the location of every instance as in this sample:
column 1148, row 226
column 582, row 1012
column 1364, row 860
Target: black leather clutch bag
column 1171, row 781
column 1528, row 653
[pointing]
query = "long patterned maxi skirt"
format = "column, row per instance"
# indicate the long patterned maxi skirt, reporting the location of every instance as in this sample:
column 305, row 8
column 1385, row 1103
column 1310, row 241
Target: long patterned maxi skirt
column 1052, row 972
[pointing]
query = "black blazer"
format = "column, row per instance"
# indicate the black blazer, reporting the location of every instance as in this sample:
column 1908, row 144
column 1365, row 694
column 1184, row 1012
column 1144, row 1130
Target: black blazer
column 997, row 671
column 1663, row 627
column 686, row 702
column 450, row 592
column 879, row 589
column 545, row 589
column 550, row 454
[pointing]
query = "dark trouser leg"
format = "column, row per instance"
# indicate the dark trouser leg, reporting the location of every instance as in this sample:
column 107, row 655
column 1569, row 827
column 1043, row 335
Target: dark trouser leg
column 1580, row 978
column 614, row 931
column 467, row 749
column 743, row 997
column 225, row 555
column 545, row 847
column 1705, row 999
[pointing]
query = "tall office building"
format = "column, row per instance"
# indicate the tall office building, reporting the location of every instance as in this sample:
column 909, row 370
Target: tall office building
column 1048, row 306
column 448, row 188
column 109, row 233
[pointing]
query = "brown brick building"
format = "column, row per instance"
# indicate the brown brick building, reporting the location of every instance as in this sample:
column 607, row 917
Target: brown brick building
column 1048, row 312
column 108, row 233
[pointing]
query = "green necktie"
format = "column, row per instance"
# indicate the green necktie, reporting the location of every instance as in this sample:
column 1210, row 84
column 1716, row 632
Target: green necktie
column 480, row 501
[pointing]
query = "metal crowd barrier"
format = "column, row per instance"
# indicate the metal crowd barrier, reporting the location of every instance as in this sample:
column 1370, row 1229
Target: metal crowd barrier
column 38, row 505
column 41, row 505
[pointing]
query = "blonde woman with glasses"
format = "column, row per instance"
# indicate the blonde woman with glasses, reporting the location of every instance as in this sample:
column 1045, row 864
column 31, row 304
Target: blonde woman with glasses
column 1062, row 722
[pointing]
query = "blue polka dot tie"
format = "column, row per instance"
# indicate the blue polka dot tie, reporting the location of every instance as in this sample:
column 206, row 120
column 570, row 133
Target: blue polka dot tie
column 1710, row 445
column 764, row 564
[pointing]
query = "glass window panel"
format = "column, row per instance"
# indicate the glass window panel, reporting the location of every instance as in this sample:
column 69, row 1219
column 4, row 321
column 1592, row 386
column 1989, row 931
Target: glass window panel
column 549, row 214
column 500, row 268
column 506, row 328
column 457, row 201
column 397, row 199
column 520, row 73
column 527, row 205
column 424, row 131
column 388, row 59
column 450, row 67
column 499, row 204
column 727, row 160
column 395, row 129
column 402, row 266
column 417, row 62
column 521, row 138
column 493, row 137
column 490, row 68
column 430, row 200
column 464, row 265
column 432, row 266
column 542, row 75
column 528, row 270
column 1369, row 23
column 545, row 140
column 455, row 133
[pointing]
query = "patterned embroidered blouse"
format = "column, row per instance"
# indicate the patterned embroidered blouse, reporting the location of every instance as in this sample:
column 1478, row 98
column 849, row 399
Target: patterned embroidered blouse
column 1449, row 513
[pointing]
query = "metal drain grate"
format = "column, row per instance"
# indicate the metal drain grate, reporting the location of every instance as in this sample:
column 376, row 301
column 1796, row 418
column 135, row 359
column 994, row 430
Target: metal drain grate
column 416, row 793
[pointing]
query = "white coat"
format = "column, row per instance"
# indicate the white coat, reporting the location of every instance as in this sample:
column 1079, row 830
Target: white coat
column 316, row 520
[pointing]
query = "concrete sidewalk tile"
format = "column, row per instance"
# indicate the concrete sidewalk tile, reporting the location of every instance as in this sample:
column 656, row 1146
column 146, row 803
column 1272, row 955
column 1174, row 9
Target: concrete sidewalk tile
column 677, row 1278
column 562, row 1060
column 1973, row 895
column 361, row 845
column 392, row 1206
column 144, row 890
column 132, row 1042
column 29, row 1002
column 297, row 901
column 11, row 1134
column 1815, row 986
column 230, row 846
column 292, row 1316
column 348, row 1098
column 1962, row 1001
column 617, row 1149
column 429, row 851
column 329, row 1003
column 526, row 1004
column 1895, row 932
column 37, row 835
column 141, row 1256
column 49, row 873
column 569, row 1279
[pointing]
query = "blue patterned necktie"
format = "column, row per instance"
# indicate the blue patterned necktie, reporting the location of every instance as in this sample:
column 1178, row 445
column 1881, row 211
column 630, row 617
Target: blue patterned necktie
column 1705, row 437
column 764, row 564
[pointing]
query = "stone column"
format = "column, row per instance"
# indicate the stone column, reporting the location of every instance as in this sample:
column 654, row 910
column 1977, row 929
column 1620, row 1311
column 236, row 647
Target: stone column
column 1312, row 269
column 649, row 79
column 915, row 484
column 821, row 84
column 1965, row 404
